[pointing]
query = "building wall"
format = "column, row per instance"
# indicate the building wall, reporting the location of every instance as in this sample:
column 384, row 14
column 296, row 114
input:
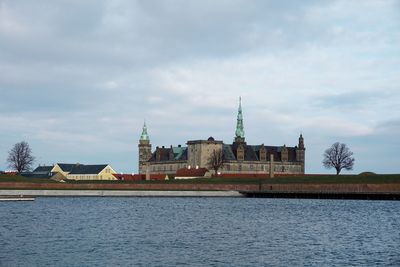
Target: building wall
column 57, row 168
column 168, row 167
column 199, row 152
column 262, row 167
column 231, row 167
column 105, row 174
column 144, row 154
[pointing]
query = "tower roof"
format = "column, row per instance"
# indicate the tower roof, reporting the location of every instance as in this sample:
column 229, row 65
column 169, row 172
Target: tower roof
column 144, row 135
column 239, row 124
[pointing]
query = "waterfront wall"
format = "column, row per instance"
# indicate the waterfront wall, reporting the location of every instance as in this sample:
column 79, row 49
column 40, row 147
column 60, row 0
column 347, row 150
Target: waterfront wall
column 362, row 188
column 113, row 193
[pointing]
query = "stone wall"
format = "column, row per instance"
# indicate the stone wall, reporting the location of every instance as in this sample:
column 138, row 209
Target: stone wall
column 223, row 187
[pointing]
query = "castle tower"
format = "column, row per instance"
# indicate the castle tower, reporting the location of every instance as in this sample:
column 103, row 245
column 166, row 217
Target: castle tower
column 301, row 142
column 144, row 149
column 239, row 133
column 300, row 152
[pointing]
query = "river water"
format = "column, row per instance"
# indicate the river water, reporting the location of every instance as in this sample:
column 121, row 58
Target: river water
column 199, row 232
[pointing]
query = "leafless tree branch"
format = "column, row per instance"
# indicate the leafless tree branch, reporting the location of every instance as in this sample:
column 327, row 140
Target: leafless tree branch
column 338, row 156
column 216, row 160
column 20, row 157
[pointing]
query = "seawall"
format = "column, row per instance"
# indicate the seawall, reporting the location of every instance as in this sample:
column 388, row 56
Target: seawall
column 327, row 191
column 117, row 193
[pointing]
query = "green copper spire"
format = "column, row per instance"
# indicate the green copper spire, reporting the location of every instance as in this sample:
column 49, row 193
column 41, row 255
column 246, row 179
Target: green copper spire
column 144, row 135
column 239, row 125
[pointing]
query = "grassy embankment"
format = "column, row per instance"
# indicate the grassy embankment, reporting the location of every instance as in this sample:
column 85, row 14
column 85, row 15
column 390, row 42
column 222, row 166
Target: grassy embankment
column 306, row 179
column 17, row 178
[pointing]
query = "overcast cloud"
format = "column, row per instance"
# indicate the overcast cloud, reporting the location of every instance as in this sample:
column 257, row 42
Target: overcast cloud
column 78, row 78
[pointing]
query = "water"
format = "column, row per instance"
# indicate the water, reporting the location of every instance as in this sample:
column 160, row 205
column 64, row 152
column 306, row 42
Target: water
column 199, row 232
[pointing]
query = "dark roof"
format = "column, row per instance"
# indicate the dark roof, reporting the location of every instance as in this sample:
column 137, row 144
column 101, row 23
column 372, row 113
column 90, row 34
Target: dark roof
column 252, row 153
column 228, row 153
column 169, row 154
column 43, row 169
column 40, row 175
column 66, row 167
column 87, row 169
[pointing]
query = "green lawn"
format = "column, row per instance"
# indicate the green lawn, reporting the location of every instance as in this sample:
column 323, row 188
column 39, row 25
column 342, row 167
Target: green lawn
column 338, row 179
column 306, row 179
column 17, row 178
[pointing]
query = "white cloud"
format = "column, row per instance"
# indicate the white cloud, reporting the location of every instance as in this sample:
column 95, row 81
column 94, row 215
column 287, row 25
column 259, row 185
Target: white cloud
column 90, row 72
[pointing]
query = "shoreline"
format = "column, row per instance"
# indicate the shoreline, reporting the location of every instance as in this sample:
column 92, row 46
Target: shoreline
column 116, row 193
column 28, row 194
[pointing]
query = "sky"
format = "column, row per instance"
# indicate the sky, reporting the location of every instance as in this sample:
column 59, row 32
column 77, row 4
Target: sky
column 79, row 78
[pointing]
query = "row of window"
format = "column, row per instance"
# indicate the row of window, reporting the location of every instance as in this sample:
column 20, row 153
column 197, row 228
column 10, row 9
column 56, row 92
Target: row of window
column 167, row 167
column 251, row 167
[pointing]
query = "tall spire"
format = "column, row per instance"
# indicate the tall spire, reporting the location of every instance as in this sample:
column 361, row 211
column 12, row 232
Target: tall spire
column 239, row 124
column 144, row 135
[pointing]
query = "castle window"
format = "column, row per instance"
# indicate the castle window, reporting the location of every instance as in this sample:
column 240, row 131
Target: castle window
column 240, row 153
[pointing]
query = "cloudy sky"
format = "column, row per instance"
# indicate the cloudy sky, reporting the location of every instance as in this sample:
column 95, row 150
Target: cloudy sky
column 78, row 78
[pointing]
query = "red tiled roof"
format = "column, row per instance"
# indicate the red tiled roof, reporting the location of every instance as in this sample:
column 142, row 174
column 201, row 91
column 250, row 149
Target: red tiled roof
column 157, row 177
column 138, row 177
column 256, row 175
column 244, row 175
column 129, row 177
column 200, row 172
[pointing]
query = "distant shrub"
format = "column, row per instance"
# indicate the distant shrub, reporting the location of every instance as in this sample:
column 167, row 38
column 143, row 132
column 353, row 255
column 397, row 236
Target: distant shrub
column 367, row 174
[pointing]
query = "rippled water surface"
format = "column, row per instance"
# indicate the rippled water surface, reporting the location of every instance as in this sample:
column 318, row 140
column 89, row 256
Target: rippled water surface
column 199, row 232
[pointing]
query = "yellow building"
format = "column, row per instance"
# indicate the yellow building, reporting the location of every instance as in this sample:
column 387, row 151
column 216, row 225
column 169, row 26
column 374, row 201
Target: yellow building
column 60, row 171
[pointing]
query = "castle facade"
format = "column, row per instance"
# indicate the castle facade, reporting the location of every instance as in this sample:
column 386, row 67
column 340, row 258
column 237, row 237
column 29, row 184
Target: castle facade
column 238, row 157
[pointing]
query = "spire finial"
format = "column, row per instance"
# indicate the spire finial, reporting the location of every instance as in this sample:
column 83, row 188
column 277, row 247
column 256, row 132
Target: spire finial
column 239, row 124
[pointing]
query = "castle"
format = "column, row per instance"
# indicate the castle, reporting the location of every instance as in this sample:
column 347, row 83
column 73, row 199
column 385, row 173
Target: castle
column 238, row 157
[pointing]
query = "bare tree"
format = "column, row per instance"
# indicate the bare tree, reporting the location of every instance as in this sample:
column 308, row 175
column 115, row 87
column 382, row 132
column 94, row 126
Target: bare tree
column 216, row 160
column 338, row 156
column 20, row 157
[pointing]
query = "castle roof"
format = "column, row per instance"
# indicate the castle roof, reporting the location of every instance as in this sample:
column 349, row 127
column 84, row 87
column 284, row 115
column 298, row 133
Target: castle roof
column 252, row 152
column 169, row 154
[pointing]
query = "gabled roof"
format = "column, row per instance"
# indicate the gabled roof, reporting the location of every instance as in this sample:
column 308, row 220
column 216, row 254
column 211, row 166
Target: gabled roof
column 66, row 167
column 129, row 177
column 179, row 153
column 43, row 169
column 252, row 152
column 87, row 169
column 228, row 153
